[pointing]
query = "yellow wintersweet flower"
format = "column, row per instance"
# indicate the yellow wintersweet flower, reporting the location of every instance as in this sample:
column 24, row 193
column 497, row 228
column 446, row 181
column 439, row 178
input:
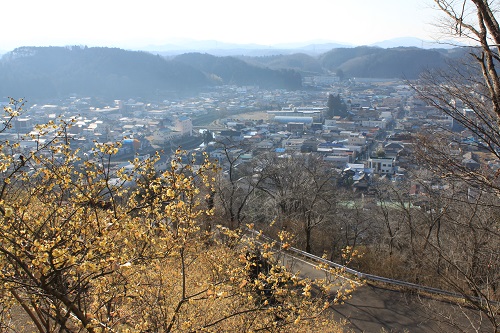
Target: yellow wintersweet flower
column 8, row 211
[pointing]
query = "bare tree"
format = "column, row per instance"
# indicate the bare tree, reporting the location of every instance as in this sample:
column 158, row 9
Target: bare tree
column 141, row 262
column 468, row 91
column 441, row 233
column 236, row 183
column 303, row 191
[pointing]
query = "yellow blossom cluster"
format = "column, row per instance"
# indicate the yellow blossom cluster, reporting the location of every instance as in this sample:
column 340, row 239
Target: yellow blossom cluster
column 83, row 250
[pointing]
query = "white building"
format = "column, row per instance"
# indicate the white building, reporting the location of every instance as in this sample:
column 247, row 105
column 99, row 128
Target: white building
column 382, row 165
column 356, row 139
column 374, row 123
column 183, row 125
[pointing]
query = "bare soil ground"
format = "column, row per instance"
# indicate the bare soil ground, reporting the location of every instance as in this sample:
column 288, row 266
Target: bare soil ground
column 258, row 115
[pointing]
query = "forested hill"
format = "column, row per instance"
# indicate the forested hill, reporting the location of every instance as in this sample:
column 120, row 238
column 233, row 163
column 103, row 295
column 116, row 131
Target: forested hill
column 51, row 72
column 363, row 61
column 374, row 62
column 42, row 72
column 230, row 70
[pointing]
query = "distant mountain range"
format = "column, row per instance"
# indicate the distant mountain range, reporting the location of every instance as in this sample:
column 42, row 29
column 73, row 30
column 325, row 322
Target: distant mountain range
column 314, row 47
column 311, row 47
column 54, row 72
column 230, row 49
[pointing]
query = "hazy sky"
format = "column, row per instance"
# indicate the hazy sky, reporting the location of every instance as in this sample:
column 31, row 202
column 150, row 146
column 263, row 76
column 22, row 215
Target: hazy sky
column 130, row 24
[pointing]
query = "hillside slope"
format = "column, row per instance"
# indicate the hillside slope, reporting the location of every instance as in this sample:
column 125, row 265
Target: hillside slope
column 363, row 61
column 54, row 72
column 230, row 70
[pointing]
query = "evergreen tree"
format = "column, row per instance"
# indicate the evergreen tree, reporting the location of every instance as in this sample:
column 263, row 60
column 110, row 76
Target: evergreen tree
column 336, row 106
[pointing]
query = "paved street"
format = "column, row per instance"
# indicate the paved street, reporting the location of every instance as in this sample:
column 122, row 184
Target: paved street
column 373, row 308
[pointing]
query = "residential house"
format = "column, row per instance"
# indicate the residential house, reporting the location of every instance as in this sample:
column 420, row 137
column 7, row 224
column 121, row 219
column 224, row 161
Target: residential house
column 382, row 165
column 356, row 139
column 264, row 145
column 392, row 149
column 356, row 175
column 470, row 161
column 293, row 144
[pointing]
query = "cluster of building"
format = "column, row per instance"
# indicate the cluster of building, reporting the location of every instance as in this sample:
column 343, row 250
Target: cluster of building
column 373, row 141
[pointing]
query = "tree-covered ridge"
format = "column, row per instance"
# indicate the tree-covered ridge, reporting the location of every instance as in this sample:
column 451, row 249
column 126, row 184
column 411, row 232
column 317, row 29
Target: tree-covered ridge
column 44, row 72
column 406, row 63
column 110, row 72
column 230, row 70
column 364, row 61
column 300, row 62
